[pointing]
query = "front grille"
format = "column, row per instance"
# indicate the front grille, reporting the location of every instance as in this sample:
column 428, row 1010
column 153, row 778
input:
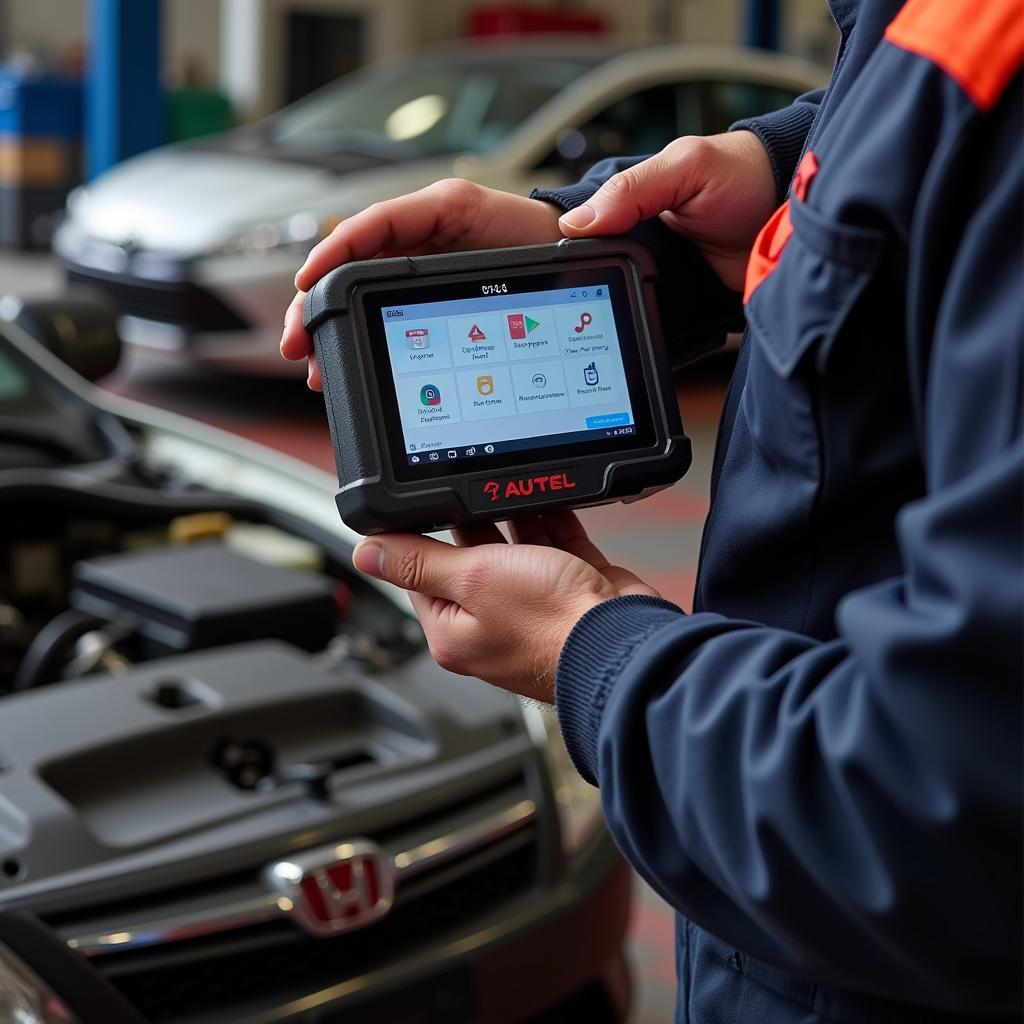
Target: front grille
column 182, row 303
column 273, row 963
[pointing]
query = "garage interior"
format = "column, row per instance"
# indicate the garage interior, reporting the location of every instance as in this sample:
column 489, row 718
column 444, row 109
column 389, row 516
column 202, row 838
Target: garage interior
column 119, row 78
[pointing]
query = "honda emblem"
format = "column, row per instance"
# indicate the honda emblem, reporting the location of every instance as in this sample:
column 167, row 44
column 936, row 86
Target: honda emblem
column 334, row 889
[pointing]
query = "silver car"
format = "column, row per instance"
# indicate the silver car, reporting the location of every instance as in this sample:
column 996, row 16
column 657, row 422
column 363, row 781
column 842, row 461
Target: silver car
column 197, row 243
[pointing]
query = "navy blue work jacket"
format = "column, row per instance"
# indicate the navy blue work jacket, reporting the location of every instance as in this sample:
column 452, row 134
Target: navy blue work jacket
column 820, row 768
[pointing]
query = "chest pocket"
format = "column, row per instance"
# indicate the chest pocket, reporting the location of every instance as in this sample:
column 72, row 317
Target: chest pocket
column 812, row 343
column 821, row 449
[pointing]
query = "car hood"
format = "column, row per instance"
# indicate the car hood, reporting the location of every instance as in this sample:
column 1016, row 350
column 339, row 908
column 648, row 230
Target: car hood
column 188, row 199
column 455, row 745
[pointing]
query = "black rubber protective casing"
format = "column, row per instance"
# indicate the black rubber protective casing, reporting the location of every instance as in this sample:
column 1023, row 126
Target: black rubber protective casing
column 372, row 500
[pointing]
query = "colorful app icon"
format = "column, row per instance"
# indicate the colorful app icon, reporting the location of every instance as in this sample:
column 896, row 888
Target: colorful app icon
column 485, row 384
column 475, row 334
column 430, row 394
column 520, row 325
column 417, row 338
column 585, row 321
column 590, row 374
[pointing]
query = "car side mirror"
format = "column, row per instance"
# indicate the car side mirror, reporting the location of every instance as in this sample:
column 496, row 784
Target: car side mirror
column 80, row 330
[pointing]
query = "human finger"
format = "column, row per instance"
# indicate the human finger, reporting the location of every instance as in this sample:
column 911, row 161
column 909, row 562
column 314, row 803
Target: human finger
column 662, row 182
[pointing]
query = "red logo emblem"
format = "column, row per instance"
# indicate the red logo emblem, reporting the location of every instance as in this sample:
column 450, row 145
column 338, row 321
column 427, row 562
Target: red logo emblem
column 335, row 888
column 526, row 486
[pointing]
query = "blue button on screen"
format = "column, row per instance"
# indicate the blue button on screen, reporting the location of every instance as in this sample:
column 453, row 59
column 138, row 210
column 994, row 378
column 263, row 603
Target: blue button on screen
column 613, row 419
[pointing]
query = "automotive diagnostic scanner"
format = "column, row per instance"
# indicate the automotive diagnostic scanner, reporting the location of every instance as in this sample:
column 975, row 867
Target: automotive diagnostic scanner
column 476, row 386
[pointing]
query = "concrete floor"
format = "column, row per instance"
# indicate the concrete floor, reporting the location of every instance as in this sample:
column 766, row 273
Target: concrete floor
column 658, row 538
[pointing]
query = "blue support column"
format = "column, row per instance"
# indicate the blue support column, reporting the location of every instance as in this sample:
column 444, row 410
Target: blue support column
column 763, row 17
column 124, row 103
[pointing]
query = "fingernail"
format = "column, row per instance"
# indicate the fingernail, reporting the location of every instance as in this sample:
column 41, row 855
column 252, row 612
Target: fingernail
column 368, row 558
column 580, row 217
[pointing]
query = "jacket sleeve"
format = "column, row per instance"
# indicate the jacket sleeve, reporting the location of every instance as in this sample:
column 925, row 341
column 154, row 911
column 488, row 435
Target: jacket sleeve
column 851, row 808
column 783, row 133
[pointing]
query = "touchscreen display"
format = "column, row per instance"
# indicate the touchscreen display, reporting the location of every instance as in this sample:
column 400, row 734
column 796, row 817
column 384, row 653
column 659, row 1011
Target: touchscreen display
column 501, row 373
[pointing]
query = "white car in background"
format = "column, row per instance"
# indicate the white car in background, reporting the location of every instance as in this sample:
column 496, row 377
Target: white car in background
column 197, row 243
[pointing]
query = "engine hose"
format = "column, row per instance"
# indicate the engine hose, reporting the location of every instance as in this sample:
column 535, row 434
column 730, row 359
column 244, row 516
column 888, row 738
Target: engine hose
column 46, row 654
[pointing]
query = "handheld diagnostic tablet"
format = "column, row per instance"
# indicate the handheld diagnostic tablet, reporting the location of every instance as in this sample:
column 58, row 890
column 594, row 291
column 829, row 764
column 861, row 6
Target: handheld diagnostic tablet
column 476, row 386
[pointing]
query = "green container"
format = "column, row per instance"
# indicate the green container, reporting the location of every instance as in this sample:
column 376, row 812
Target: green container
column 193, row 112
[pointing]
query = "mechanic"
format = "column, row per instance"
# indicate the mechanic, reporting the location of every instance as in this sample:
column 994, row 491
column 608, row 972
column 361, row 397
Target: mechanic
column 820, row 768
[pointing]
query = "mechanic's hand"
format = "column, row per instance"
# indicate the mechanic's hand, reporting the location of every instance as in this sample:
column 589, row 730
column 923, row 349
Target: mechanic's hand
column 447, row 216
column 500, row 611
column 717, row 191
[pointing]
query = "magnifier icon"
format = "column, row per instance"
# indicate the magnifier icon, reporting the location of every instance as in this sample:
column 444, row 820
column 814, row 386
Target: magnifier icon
column 585, row 320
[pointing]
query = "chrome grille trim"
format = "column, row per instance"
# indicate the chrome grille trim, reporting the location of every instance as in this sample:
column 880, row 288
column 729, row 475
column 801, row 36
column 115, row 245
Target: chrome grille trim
column 268, row 905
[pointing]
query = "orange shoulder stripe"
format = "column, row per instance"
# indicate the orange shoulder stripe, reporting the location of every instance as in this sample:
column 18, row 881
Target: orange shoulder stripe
column 978, row 43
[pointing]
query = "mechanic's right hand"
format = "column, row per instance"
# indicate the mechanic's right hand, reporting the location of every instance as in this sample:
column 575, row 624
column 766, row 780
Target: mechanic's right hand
column 718, row 191
column 447, row 216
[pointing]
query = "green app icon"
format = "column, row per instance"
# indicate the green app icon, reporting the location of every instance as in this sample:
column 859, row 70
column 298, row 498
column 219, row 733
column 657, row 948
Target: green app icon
column 531, row 324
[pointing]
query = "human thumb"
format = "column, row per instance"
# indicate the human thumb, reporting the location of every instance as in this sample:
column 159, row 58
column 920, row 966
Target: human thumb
column 636, row 193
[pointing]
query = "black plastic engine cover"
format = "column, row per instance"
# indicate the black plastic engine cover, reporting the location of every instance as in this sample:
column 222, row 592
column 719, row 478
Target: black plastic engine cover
column 184, row 598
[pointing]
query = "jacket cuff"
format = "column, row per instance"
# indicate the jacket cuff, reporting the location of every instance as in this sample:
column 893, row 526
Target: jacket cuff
column 783, row 134
column 591, row 662
column 569, row 197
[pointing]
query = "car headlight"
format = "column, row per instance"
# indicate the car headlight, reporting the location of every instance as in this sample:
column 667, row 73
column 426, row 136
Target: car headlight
column 26, row 999
column 578, row 803
column 299, row 231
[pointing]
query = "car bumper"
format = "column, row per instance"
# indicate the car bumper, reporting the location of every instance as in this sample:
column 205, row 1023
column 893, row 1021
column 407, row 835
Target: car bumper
column 225, row 312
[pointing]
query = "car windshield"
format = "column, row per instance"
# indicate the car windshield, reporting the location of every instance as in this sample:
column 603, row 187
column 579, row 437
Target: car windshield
column 425, row 109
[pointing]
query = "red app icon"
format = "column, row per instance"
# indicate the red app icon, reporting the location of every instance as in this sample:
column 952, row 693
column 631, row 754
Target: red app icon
column 517, row 325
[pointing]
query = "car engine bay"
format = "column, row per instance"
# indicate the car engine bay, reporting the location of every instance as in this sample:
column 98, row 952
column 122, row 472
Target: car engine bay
column 195, row 687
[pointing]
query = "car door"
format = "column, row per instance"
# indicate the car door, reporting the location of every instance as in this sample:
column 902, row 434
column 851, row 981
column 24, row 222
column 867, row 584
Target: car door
column 635, row 122
column 641, row 121
column 725, row 101
column 647, row 119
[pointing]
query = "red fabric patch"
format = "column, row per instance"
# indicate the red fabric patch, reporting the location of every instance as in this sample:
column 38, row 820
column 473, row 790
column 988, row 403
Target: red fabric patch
column 805, row 175
column 767, row 249
column 775, row 234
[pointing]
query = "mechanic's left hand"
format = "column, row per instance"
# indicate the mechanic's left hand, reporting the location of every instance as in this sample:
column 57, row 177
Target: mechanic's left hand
column 501, row 611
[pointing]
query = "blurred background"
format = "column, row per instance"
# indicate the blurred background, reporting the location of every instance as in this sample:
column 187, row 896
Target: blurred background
column 178, row 159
